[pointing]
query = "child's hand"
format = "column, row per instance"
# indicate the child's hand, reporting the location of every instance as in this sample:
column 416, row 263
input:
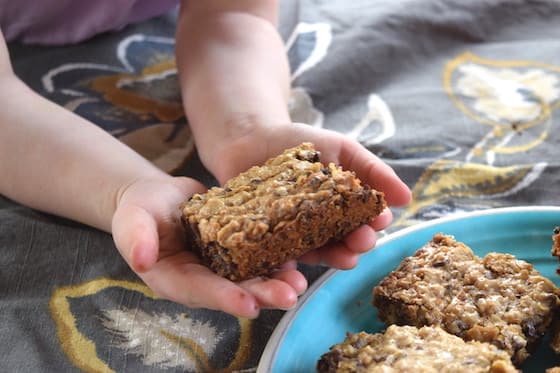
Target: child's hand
column 261, row 142
column 148, row 233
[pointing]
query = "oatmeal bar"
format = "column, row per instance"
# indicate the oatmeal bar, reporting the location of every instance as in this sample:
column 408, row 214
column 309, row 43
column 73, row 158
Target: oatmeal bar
column 276, row 212
column 409, row 349
column 555, row 334
column 497, row 299
column 556, row 245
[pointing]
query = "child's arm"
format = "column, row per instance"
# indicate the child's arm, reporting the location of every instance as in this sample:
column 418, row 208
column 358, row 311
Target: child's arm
column 234, row 76
column 58, row 162
column 54, row 160
column 235, row 81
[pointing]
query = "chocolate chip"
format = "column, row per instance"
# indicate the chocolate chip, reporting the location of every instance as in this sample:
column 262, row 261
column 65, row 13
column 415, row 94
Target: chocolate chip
column 315, row 181
column 529, row 329
column 440, row 263
column 310, row 156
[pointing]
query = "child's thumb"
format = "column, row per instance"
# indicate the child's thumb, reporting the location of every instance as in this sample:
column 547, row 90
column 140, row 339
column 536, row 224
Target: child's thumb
column 135, row 234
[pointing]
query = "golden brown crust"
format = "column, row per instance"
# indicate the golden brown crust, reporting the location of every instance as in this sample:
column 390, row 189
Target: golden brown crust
column 409, row 349
column 556, row 245
column 276, row 212
column 555, row 334
column 497, row 299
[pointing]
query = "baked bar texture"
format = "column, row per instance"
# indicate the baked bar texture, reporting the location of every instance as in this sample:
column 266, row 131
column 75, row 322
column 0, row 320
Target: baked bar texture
column 555, row 334
column 497, row 299
column 414, row 350
column 556, row 245
column 276, row 212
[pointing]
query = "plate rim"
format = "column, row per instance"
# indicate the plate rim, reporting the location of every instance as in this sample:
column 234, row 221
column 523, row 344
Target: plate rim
column 270, row 351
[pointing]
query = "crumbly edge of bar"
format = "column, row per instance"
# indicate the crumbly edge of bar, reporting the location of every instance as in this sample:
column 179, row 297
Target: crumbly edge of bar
column 556, row 242
column 411, row 346
column 245, row 240
column 519, row 339
column 556, row 245
column 555, row 333
column 251, row 193
column 310, row 229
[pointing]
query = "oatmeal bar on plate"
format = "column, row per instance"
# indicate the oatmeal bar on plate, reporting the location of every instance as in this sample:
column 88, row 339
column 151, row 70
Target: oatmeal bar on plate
column 409, row 349
column 497, row 299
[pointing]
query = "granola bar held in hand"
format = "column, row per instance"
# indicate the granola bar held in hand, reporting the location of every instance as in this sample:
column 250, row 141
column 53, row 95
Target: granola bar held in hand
column 276, row 212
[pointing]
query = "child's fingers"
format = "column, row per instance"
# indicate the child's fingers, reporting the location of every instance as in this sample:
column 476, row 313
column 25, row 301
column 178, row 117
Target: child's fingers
column 177, row 279
column 344, row 254
column 135, row 234
column 382, row 221
column 336, row 255
column 292, row 277
column 373, row 171
column 361, row 240
column 291, row 264
column 272, row 293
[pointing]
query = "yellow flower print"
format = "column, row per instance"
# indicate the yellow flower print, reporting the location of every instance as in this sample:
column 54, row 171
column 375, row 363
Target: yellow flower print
column 513, row 97
column 506, row 95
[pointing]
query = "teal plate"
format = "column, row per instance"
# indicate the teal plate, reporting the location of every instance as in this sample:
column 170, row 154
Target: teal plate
column 340, row 301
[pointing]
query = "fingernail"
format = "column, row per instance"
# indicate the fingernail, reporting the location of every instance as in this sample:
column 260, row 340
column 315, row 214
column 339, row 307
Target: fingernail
column 256, row 312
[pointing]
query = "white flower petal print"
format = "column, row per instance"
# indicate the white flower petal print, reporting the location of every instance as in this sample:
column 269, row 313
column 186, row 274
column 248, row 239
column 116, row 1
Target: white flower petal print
column 49, row 79
column 135, row 98
column 490, row 140
column 154, row 337
column 322, row 33
column 314, row 51
column 377, row 125
column 123, row 48
column 124, row 55
column 302, row 110
column 533, row 175
column 507, row 95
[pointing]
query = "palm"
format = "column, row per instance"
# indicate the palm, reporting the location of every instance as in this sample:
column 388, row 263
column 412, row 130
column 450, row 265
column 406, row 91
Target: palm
column 148, row 233
column 264, row 143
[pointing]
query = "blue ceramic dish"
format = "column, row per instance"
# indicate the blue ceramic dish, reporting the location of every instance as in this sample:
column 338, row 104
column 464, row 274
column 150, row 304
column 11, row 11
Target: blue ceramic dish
column 340, row 301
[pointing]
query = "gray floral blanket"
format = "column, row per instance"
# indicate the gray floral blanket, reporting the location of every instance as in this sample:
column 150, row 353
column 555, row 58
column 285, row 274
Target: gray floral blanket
column 459, row 97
